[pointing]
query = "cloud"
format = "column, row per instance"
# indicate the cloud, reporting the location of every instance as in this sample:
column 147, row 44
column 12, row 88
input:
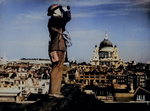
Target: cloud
column 30, row 17
column 84, row 2
column 101, row 12
column 97, row 2
column 104, row 8
column 60, row 2
column 30, row 21
column 87, row 34
column 93, row 13
column 139, row 29
column 143, row 5
column 79, row 15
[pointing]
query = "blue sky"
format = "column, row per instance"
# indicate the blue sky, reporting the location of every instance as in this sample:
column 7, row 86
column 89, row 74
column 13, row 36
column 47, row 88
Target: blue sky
column 24, row 33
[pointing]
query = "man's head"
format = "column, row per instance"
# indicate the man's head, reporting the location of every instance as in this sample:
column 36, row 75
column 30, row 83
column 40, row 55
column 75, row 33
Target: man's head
column 57, row 10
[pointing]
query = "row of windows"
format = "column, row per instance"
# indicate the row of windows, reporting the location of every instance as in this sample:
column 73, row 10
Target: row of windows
column 19, row 82
column 111, row 77
column 121, row 81
column 105, row 54
column 121, row 77
column 102, row 93
column 105, row 63
column 140, row 97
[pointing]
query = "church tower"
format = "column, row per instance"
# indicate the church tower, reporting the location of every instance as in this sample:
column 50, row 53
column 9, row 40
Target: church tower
column 95, row 59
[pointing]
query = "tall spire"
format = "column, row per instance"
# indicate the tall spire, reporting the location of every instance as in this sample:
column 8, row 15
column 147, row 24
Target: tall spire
column 106, row 36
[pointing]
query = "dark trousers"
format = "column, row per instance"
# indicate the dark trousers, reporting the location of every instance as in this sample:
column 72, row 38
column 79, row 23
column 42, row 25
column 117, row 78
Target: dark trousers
column 56, row 74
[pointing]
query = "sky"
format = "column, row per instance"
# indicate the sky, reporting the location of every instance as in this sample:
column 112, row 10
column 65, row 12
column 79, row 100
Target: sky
column 24, row 32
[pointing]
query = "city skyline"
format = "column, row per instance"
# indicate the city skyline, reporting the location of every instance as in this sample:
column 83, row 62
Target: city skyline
column 24, row 33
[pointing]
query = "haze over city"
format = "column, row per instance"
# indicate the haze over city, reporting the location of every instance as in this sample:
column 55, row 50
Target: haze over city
column 24, row 33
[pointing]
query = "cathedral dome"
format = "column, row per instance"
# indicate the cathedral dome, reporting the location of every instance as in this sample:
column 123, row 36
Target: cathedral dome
column 105, row 42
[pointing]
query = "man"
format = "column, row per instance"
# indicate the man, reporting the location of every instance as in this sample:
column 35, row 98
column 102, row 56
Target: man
column 57, row 47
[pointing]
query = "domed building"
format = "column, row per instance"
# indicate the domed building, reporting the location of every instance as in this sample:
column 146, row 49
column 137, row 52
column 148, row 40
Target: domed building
column 106, row 54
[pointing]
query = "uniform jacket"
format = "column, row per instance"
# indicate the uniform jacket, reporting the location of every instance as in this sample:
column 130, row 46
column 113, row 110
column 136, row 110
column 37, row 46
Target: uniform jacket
column 56, row 26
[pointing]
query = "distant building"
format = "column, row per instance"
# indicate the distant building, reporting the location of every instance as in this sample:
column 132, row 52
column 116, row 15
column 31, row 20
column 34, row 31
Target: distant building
column 1, row 60
column 148, row 62
column 138, row 79
column 106, row 54
column 4, row 60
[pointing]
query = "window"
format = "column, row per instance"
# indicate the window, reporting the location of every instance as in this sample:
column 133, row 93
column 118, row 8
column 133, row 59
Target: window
column 102, row 81
column 96, row 92
column 102, row 92
column 108, row 93
column 142, row 77
column 140, row 98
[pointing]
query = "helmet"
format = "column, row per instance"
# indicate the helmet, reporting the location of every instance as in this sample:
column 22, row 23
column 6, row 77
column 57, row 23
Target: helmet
column 52, row 8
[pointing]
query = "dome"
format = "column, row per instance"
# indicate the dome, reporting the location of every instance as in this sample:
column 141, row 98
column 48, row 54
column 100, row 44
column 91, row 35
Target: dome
column 105, row 42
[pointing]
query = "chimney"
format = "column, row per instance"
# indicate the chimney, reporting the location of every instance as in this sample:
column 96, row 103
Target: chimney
column 132, row 90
